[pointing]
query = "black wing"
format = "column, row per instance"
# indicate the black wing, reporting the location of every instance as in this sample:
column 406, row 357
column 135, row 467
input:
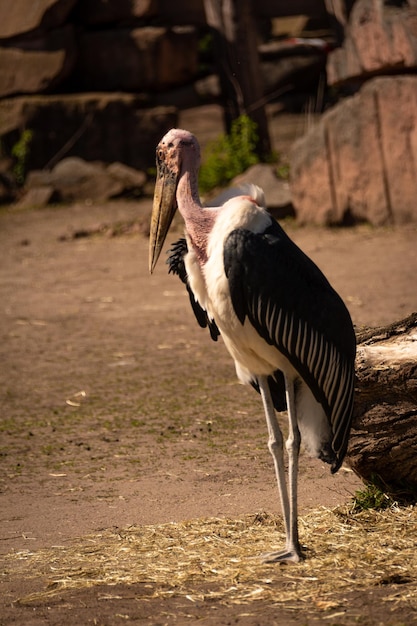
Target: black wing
column 276, row 385
column 293, row 307
column 176, row 265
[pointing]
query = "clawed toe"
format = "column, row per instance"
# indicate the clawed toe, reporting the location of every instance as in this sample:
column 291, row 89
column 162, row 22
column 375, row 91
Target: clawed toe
column 283, row 556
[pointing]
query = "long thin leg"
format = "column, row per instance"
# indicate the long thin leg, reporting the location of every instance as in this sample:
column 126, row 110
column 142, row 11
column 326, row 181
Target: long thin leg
column 293, row 449
column 275, row 444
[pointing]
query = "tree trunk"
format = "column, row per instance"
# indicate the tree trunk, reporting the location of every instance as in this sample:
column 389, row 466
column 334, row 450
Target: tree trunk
column 383, row 442
column 236, row 51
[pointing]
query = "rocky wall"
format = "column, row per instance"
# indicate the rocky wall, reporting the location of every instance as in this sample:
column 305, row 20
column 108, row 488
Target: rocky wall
column 80, row 75
column 61, row 59
column 380, row 37
column 360, row 162
column 90, row 125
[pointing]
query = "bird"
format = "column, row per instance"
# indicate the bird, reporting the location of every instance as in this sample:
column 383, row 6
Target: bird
column 288, row 331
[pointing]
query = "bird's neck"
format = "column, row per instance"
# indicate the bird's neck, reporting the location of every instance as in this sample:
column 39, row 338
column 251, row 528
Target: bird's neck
column 198, row 220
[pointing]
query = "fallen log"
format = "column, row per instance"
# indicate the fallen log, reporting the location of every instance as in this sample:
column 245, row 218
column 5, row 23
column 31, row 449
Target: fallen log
column 383, row 442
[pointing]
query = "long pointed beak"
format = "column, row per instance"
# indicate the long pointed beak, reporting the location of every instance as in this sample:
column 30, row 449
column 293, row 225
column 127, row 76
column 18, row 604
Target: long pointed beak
column 163, row 211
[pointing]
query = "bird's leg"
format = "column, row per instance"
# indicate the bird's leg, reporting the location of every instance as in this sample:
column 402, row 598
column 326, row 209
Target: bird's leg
column 293, row 448
column 275, row 444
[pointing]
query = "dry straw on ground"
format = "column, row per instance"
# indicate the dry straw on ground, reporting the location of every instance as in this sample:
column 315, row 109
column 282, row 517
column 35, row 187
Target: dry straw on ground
column 217, row 559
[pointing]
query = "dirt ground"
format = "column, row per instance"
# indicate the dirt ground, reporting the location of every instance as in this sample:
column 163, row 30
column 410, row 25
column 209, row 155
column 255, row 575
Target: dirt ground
column 118, row 410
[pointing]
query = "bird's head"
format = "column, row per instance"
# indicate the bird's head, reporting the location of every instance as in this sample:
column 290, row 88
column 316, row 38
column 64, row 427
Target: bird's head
column 172, row 154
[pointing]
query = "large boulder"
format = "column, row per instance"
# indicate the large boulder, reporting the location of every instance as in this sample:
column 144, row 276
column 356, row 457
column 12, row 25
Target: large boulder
column 39, row 64
column 359, row 162
column 95, row 127
column 20, row 16
column 139, row 59
column 380, row 37
column 276, row 190
column 74, row 179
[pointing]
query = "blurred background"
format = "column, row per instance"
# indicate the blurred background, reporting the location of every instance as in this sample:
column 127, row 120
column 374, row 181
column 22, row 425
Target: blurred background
column 93, row 81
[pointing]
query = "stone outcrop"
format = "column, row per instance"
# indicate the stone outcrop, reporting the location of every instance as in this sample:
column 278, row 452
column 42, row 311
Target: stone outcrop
column 97, row 45
column 276, row 190
column 381, row 37
column 97, row 79
column 39, row 64
column 109, row 127
column 83, row 76
column 138, row 59
column 359, row 162
column 20, row 16
column 75, row 179
column 120, row 59
column 100, row 79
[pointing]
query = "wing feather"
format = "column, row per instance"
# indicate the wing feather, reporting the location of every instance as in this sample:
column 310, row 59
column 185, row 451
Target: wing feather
column 177, row 266
column 293, row 307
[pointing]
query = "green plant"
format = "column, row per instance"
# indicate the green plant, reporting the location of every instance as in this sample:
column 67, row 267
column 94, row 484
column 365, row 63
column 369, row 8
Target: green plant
column 371, row 497
column 283, row 171
column 20, row 153
column 229, row 155
column 205, row 44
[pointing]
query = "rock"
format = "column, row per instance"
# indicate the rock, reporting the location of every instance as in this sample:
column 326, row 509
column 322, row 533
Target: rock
column 95, row 127
column 379, row 38
column 182, row 12
column 343, row 64
column 359, row 162
column 338, row 13
column 139, row 59
column 277, row 191
column 38, row 178
column 310, row 183
column 396, row 110
column 132, row 180
column 293, row 72
column 37, row 66
column 75, row 179
column 203, row 91
column 113, row 11
column 20, row 16
column 36, row 197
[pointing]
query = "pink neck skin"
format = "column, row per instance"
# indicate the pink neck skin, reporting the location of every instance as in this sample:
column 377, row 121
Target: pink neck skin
column 198, row 220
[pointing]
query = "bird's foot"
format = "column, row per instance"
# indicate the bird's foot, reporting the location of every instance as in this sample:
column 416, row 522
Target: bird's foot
column 292, row 555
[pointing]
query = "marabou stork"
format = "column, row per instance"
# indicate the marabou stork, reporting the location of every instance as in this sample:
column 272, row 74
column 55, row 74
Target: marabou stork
column 288, row 331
